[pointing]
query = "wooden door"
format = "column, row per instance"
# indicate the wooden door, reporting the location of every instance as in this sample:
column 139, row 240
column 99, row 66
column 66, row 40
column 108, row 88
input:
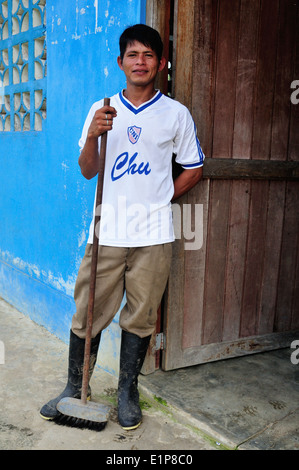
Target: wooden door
column 239, row 293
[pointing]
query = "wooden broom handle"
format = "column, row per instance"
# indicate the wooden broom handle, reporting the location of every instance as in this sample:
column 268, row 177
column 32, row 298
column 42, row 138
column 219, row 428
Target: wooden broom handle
column 94, row 262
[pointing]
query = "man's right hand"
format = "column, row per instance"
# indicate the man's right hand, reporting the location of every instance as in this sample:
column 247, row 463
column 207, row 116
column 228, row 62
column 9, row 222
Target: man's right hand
column 102, row 121
column 89, row 158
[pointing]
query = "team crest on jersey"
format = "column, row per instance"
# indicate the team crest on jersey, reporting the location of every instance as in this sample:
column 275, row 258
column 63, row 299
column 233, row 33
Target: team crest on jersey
column 134, row 134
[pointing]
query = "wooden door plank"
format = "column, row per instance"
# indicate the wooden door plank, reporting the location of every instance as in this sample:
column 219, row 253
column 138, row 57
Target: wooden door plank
column 226, row 67
column 284, row 72
column 204, row 64
column 174, row 309
column 195, row 273
column 254, row 258
column 238, row 168
column 184, row 52
column 266, row 59
column 246, row 78
column 236, row 254
column 273, row 239
column 219, row 206
column 287, row 295
column 295, row 304
column 202, row 102
column 293, row 150
column 229, row 349
column 157, row 16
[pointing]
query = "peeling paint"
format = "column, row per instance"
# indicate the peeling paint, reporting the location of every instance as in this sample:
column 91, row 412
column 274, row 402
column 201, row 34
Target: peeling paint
column 65, row 166
column 57, row 281
column 76, row 36
column 67, row 286
column 82, row 238
column 82, row 23
column 96, row 5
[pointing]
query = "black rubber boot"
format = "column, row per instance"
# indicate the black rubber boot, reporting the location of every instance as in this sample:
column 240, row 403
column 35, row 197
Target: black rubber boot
column 75, row 373
column 132, row 354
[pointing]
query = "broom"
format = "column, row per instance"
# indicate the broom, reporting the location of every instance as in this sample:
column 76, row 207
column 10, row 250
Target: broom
column 74, row 411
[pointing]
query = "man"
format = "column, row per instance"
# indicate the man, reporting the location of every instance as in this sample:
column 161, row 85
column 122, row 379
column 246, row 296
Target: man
column 145, row 128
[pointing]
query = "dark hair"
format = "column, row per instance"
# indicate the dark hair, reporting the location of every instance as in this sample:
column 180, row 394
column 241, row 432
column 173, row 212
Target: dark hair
column 144, row 34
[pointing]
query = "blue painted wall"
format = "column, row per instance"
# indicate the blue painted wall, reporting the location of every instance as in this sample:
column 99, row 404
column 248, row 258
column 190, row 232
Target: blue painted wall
column 45, row 203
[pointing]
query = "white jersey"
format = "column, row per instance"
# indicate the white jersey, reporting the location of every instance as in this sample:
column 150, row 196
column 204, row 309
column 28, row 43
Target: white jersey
column 138, row 184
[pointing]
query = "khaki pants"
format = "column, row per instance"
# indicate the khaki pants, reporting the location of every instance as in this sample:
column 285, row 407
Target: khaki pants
column 141, row 272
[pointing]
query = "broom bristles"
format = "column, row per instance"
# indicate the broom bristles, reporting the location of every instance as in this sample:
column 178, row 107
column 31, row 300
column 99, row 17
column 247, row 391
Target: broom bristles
column 70, row 421
column 89, row 415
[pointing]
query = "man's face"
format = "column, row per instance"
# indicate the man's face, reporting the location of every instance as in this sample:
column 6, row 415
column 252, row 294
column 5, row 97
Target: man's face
column 140, row 64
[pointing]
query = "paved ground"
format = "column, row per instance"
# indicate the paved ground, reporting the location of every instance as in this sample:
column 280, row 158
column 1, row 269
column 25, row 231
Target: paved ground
column 250, row 402
column 34, row 371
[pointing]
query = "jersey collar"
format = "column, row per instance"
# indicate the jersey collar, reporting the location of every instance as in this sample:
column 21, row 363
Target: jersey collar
column 141, row 108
